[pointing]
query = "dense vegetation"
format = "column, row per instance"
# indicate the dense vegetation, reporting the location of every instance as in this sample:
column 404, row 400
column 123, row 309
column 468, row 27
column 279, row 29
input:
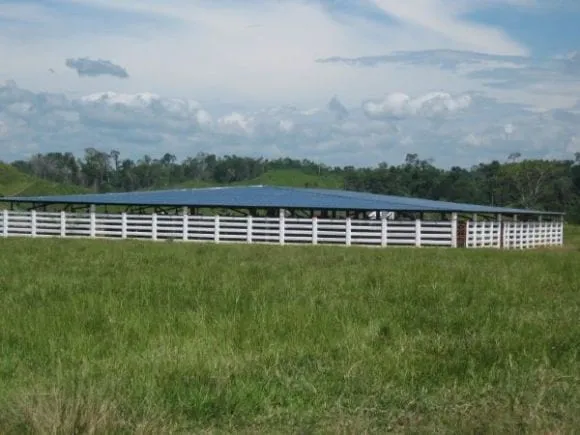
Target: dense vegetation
column 141, row 337
column 540, row 184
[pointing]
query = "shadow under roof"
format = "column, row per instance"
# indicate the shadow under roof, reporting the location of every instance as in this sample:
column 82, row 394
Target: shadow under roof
column 270, row 197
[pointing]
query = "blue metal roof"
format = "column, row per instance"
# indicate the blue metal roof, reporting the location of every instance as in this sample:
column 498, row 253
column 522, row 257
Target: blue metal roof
column 270, row 197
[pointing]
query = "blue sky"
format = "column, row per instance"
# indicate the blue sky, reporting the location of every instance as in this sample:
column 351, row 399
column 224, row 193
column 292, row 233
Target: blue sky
column 341, row 81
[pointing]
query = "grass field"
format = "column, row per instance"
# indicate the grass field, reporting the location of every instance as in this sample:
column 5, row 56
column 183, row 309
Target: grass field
column 281, row 177
column 141, row 337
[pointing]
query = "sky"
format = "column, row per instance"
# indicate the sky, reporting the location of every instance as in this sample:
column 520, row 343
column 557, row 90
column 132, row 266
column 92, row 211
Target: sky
column 342, row 82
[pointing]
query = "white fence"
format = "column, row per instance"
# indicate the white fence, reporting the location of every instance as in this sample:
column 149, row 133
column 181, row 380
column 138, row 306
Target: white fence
column 279, row 230
column 514, row 235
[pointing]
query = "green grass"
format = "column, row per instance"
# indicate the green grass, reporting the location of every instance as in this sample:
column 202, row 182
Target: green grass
column 283, row 177
column 142, row 337
column 15, row 183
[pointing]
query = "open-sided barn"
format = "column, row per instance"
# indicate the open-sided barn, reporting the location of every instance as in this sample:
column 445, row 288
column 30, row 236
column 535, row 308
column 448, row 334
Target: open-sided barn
column 273, row 214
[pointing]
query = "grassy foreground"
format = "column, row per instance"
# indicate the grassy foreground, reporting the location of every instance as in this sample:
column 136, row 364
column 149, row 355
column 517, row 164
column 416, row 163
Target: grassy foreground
column 131, row 337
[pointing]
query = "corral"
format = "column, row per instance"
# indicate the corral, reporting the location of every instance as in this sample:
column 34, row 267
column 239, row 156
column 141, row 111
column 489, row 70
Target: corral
column 281, row 215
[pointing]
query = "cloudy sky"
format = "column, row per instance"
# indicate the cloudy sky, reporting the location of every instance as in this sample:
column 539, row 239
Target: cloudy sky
column 339, row 81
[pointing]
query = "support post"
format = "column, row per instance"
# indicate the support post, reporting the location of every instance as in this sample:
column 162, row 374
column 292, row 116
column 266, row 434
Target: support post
column 124, row 225
column 5, row 223
column 417, row 232
column 281, row 226
column 314, row 230
column 185, row 230
column 249, row 229
column 454, row 230
column 216, row 229
column 93, row 221
column 63, row 223
column 154, row 226
column 348, row 231
column 500, row 232
column 384, row 229
column 33, row 223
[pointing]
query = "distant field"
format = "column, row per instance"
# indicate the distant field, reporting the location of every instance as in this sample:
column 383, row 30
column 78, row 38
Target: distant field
column 126, row 337
column 284, row 177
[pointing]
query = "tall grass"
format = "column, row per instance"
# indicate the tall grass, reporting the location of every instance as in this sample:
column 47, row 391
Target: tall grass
column 142, row 337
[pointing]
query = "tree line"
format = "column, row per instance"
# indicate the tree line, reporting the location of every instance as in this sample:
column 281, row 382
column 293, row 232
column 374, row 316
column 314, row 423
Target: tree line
column 516, row 182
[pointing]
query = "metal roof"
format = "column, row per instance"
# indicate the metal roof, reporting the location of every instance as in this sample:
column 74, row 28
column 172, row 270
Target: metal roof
column 270, row 197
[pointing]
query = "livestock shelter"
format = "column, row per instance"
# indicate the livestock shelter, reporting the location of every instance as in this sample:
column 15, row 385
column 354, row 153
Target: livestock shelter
column 282, row 215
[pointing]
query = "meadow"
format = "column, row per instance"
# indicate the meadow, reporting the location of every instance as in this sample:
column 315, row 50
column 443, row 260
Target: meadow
column 143, row 337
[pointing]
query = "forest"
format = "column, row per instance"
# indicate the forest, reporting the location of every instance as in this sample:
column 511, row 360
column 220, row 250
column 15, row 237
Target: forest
column 516, row 182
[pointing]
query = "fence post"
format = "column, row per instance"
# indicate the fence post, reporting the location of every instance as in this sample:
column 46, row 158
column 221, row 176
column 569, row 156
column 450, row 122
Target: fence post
column 499, row 231
column 249, row 229
column 384, row 229
column 33, row 223
column 124, row 225
column 185, row 234
column 63, row 223
column 154, row 226
column 314, row 230
column 216, row 229
column 93, row 222
column 281, row 226
column 348, row 231
column 417, row 232
column 454, row 230
column 5, row 223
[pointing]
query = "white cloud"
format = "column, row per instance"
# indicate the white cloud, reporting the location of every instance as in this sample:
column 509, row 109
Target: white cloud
column 441, row 125
column 399, row 105
column 444, row 18
column 259, row 52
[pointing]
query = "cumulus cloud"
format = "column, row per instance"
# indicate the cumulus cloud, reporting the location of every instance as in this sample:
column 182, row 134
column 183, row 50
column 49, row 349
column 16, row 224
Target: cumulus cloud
column 549, row 82
column 399, row 105
column 86, row 67
column 472, row 128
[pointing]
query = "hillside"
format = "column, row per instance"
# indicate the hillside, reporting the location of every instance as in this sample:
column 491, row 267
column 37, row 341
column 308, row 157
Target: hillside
column 280, row 177
column 15, row 183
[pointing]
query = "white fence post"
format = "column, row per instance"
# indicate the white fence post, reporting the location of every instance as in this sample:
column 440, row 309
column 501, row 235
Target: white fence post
column 348, row 231
column 124, row 225
column 33, row 223
column 454, row 230
column 63, row 223
column 93, row 222
column 216, row 229
column 384, row 229
column 249, row 229
column 154, row 226
column 499, row 230
column 314, row 230
column 417, row 232
column 281, row 226
column 185, row 232
column 5, row 223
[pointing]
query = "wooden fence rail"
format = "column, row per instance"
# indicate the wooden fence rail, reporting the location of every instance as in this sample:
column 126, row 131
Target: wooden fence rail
column 514, row 235
column 279, row 230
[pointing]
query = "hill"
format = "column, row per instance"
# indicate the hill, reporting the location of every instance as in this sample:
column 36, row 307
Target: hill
column 280, row 177
column 16, row 183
